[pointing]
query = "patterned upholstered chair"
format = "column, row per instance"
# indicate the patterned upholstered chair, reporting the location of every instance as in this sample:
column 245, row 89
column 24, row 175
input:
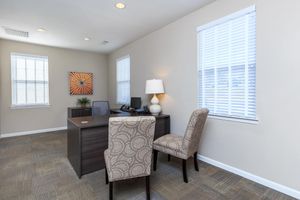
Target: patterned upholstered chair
column 183, row 147
column 129, row 152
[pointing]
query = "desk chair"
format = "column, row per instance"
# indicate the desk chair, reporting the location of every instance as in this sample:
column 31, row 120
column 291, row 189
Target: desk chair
column 183, row 147
column 100, row 108
column 129, row 153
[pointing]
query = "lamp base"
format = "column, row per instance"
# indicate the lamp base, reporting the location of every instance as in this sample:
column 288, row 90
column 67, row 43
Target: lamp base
column 155, row 109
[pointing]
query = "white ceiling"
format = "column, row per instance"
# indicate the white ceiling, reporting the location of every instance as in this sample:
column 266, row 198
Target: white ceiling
column 68, row 21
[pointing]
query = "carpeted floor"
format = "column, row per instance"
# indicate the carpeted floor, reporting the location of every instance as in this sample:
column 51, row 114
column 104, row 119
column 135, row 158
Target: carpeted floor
column 36, row 167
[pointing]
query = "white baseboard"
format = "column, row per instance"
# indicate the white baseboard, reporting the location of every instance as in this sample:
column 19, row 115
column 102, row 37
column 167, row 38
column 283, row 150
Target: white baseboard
column 5, row 135
column 276, row 186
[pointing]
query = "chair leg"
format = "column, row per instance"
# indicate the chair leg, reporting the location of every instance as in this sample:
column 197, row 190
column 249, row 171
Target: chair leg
column 196, row 161
column 111, row 190
column 184, row 171
column 106, row 176
column 148, row 187
column 169, row 157
column 155, row 152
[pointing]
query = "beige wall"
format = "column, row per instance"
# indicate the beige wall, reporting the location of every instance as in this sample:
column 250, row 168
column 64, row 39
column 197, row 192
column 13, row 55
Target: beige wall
column 61, row 61
column 269, row 149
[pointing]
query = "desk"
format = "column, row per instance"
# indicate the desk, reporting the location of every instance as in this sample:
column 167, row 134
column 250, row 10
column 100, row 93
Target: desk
column 87, row 142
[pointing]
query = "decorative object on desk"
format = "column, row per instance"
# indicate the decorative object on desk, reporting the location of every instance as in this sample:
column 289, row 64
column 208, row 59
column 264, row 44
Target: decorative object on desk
column 154, row 86
column 83, row 102
column 81, row 83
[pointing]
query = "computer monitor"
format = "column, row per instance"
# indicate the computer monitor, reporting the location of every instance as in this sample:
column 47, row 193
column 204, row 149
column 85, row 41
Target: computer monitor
column 136, row 102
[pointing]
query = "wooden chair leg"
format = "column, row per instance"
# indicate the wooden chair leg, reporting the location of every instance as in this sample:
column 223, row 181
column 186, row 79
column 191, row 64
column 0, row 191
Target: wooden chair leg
column 148, row 187
column 169, row 157
column 185, row 179
column 106, row 176
column 155, row 152
column 196, row 161
column 111, row 190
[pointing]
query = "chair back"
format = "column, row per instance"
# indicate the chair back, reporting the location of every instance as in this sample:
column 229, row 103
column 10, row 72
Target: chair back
column 130, row 144
column 194, row 130
column 100, row 108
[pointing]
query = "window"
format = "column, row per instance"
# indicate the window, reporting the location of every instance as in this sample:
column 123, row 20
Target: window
column 227, row 66
column 123, row 80
column 29, row 75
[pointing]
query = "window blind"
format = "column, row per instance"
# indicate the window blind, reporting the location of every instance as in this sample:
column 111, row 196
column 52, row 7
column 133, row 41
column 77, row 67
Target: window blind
column 227, row 66
column 29, row 75
column 123, row 80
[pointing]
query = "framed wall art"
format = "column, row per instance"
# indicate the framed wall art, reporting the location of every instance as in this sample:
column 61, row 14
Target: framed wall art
column 81, row 83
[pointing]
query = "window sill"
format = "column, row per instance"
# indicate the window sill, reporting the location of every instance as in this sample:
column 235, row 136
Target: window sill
column 30, row 106
column 120, row 104
column 245, row 121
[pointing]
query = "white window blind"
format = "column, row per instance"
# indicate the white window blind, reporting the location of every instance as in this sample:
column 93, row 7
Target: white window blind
column 123, row 80
column 227, row 66
column 29, row 75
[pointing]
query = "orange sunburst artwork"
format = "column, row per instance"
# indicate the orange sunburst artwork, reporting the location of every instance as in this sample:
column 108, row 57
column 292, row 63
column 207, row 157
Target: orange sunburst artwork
column 81, row 83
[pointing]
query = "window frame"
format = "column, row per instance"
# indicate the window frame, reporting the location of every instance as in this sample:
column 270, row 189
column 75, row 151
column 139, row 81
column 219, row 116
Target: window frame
column 211, row 24
column 29, row 105
column 117, row 82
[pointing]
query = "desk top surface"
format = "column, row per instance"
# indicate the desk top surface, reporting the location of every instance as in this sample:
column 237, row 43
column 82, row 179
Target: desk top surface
column 90, row 121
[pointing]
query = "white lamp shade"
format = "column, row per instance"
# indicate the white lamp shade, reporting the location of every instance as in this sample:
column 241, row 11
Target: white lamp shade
column 154, row 86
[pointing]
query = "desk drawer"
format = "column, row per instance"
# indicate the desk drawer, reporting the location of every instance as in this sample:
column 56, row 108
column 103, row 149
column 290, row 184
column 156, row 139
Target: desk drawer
column 94, row 141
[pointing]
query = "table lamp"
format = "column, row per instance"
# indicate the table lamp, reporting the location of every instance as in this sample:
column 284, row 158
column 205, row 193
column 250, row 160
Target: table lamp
column 154, row 86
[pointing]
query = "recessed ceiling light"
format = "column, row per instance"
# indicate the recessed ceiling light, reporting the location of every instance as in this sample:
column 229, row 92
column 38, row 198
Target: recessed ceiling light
column 120, row 5
column 86, row 39
column 105, row 42
column 41, row 30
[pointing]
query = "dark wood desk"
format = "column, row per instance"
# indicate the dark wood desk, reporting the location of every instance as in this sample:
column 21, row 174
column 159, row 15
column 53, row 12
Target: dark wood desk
column 87, row 142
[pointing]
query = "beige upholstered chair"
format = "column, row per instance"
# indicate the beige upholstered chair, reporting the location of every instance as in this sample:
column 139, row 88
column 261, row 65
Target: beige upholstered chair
column 183, row 147
column 129, row 152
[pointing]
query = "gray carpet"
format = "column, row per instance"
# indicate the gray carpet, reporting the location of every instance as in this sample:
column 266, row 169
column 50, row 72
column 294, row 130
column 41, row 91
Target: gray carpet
column 36, row 167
